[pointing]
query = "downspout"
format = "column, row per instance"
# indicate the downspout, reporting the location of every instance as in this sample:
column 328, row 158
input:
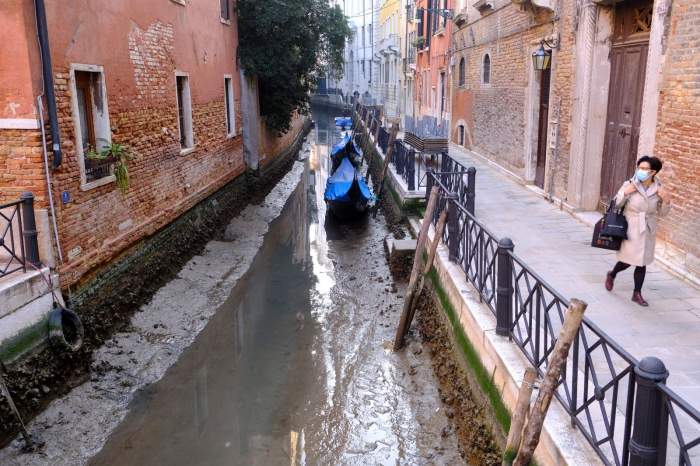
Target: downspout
column 43, row 34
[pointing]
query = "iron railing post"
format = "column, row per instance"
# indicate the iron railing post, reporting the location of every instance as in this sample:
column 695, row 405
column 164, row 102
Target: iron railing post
column 650, row 424
column 453, row 228
column 410, row 170
column 29, row 233
column 428, row 183
column 504, row 288
column 471, row 189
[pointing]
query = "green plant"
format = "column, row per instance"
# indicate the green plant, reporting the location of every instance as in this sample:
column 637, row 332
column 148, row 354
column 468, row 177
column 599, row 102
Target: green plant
column 287, row 46
column 418, row 42
column 119, row 155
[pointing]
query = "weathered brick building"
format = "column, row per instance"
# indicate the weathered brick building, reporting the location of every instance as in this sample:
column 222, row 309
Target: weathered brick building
column 623, row 82
column 431, row 82
column 161, row 78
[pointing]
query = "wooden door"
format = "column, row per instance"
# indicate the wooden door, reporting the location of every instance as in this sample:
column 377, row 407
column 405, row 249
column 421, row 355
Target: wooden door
column 628, row 66
column 542, row 128
column 628, row 62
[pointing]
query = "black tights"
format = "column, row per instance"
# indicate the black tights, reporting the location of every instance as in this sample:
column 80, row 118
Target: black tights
column 639, row 274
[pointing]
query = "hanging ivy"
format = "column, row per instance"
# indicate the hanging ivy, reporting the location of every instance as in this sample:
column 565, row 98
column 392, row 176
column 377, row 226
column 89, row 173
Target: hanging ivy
column 287, row 45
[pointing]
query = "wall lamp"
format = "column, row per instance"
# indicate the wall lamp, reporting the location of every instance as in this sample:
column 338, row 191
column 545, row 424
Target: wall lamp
column 542, row 59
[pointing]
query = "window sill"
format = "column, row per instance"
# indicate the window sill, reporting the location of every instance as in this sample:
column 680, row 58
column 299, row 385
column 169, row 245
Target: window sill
column 97, row 183
column 187, row 150
column 225, row 21
column 231, row 135
column 180, row 2
column 440, row 32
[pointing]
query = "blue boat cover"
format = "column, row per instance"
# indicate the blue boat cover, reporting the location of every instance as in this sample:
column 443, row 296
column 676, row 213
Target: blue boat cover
column 343, row 121
column 339, row 184
column 341, row 145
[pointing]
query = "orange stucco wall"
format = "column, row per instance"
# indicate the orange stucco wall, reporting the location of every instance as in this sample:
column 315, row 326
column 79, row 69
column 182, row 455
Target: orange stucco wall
column 433, row 61
column 20, row 72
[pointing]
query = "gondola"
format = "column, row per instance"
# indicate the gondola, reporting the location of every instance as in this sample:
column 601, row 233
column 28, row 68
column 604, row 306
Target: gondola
column 347, row 194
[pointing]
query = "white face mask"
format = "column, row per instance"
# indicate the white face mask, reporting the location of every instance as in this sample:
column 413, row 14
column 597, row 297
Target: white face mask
column 642, row 174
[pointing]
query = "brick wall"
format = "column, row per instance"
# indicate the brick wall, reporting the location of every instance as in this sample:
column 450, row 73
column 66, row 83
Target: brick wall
column 102, row 222
column 22, row 165
column 678, row 130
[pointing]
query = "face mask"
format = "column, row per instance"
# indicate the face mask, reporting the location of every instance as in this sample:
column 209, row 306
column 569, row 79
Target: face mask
column 642, row 174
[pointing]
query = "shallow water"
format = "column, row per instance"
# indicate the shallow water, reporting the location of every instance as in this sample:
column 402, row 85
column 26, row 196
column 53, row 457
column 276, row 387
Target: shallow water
column 294, row 368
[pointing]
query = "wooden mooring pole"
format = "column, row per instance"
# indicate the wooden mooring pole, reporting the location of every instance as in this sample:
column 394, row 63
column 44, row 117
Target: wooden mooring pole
column 557, row 362
column 406, row 314
column 522, row 406
column 385, row 168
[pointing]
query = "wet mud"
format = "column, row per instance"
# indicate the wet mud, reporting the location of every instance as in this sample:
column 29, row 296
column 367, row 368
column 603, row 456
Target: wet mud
column 466, row 414
column 273, row 346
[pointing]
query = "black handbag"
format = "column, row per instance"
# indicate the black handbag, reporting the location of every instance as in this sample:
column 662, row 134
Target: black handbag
column 614, row 222
column 602, row 241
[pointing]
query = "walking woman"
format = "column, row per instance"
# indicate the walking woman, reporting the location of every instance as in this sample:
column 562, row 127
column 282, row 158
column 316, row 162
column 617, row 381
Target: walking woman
column 644, row 200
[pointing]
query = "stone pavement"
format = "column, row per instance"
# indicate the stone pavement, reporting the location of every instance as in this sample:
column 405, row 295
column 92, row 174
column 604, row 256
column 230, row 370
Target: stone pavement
column 557, row 246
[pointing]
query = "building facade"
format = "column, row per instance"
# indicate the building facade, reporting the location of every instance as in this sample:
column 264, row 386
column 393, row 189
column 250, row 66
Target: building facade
column 359, row 69
column 433, row 57
column 387, row 57
column 620, row 85
column 161, row 80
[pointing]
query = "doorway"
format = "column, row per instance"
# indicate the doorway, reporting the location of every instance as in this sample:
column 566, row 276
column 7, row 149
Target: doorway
column 628, row 60
column 542, row 128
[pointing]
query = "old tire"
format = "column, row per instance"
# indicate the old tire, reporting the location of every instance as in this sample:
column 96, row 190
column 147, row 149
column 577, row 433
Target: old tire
column 65, row 329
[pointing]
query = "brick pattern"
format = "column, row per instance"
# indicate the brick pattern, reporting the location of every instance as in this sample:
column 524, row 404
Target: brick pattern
column 102, row 222
column 22, row 165
column 678, row 130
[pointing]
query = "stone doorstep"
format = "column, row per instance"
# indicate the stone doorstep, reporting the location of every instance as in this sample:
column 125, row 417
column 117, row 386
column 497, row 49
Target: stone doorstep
column 19, row 289
column 559, row 442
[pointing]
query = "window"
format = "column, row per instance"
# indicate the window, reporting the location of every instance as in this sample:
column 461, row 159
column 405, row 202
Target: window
column 444, row 18
column 462, row 77
column 184, row 111
column 443, row 96
column 460, row 129
column 230, row 107
column 487, row 69
column 91, row 124
column 363, row 37
column 225, row 11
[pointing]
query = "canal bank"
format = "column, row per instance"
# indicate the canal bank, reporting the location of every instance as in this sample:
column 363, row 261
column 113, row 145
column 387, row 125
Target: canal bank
column 290, row 359
column 109, row 297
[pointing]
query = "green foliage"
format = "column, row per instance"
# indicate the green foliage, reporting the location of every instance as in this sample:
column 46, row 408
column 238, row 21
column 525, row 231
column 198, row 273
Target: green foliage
column 287, row 45
column 119, row 155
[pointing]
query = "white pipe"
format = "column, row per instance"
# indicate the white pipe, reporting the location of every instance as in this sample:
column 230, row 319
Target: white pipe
column 40, row 104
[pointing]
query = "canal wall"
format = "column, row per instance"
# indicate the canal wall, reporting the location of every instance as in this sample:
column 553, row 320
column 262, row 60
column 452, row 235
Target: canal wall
column 109, row 297
column 494, row 367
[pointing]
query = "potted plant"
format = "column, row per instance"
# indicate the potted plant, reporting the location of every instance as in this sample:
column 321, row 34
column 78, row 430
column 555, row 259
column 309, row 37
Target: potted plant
column 419, row 42
column 119, row 155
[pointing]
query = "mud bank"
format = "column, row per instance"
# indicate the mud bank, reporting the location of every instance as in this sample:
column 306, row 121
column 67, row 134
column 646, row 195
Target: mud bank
column 465, row 411
column 108, row 298
column 75, row 427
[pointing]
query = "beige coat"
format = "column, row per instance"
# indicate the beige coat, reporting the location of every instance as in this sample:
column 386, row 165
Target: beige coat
column 642, row 208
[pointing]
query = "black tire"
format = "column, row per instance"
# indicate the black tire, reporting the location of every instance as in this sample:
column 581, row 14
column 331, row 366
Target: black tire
column 65, row 329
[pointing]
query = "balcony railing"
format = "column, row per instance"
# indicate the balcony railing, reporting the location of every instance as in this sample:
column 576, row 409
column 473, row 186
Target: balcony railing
column 18, row 236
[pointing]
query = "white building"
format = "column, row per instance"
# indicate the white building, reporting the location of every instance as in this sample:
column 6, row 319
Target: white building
column 359, row 70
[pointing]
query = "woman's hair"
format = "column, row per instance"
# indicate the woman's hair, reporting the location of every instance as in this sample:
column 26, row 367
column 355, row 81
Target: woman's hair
column 654, row 162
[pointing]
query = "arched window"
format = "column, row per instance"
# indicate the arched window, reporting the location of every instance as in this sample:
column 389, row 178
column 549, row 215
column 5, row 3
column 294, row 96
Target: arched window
column 487, row 69
column 461, row 72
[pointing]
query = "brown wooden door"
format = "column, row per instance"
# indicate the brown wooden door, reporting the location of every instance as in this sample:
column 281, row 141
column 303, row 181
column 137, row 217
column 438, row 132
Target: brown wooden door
column 542, row 129
column 628, row 68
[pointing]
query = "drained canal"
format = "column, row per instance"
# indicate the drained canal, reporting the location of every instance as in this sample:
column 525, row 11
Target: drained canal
column 295, row 367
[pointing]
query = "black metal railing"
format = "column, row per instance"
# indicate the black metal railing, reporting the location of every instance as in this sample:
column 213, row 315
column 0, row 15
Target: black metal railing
column 621, row 405
column 18, row 236
column 404, row 161
column 383, row 139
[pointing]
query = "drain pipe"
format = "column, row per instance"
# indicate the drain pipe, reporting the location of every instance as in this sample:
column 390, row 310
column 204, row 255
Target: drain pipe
column 44, row 50
column 40, row 105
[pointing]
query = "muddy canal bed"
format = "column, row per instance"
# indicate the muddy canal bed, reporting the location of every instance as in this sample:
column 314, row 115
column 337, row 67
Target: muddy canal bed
column 267, row 351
